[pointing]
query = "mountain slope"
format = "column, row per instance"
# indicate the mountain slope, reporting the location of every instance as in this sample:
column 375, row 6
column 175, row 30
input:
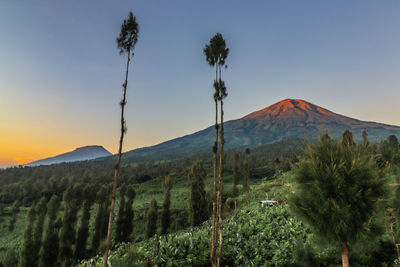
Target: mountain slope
column 79, row 154
column 287, row 119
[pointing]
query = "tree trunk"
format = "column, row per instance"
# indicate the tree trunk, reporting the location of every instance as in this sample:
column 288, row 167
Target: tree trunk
column 117, row 165
column 345, row 255
column 214, row 187
column 221, row 186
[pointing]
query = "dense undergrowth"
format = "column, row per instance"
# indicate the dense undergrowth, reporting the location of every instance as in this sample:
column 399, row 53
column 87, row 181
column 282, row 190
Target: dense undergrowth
column 253, row 236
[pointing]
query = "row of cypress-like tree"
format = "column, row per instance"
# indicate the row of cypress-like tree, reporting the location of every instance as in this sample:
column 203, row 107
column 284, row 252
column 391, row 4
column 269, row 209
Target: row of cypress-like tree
column 63, row 240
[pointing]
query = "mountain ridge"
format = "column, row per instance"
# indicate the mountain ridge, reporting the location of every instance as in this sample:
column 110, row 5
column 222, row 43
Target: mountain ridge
column 286, row 119
column 79, row 154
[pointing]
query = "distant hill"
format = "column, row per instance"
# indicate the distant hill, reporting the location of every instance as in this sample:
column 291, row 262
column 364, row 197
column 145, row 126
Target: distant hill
column 79, row 154
column 287, row 119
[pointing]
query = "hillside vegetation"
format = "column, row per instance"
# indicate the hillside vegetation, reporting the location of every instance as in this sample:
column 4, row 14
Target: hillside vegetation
column 254, row 235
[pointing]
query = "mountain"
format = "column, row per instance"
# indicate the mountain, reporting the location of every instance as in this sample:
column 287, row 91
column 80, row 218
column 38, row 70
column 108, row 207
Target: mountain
column 79, row 154
column 287, row 119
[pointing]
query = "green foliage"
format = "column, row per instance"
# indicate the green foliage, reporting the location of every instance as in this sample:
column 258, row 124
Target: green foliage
column 365, row 138
column 41, row 210
column 27, row 253
column 338, row 187
column 253, row 236
column 11, row 258
column 125, row 214
column 347, row 138
column 14, row 212
column 166, row 214
column 56, row 178
column 235, row 169
column 216, row 51
column 101, row 222
column 198, row 204
column 72, row 202
column 152, row 216
column 119, row 235
column 49, row 250
column 245, row 170
column 83, row 232
column 389, row 152
column 129, row 34
column 129, row 213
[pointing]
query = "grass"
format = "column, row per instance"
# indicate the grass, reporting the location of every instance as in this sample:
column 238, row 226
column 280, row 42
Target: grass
column 9, row 239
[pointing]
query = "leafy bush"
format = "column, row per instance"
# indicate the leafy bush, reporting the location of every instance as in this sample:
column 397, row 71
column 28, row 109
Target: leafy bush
column 253, row 236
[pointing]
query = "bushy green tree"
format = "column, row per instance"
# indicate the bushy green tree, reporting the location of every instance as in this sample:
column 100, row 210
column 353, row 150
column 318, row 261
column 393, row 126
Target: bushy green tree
column 72, row 201
column 389, row 152
column 2, row 211
column 129, row 213
column 119, row 231
column 337, row 188
column 365, row 138
column 166, row 214
column 41, row 209
column 14, row 213
column 198, row 206
column 126, row 43
column 152, row 215
column 124, row 227
column 11, row 258
column 245, row 170
column 27, row 252
column 100, row 228
column 83, row 233
column 235, row 169
column 49, row 250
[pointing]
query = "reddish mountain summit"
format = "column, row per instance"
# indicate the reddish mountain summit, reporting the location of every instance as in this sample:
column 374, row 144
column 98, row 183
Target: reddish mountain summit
column 297, row 112
column 287, row 119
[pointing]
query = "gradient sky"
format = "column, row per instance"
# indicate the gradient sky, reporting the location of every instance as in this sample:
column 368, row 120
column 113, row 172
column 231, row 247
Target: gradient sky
column 61, row 73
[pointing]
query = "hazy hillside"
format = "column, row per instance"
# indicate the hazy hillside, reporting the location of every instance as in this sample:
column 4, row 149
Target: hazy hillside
column 81, row 153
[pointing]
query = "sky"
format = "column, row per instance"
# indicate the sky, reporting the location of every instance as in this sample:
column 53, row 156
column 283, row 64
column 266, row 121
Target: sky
column 61, row 72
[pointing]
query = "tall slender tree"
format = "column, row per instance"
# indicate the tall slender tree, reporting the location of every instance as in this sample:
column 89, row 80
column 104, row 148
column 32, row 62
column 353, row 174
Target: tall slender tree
column 125, row 214
column 246, row 171
column 49, row 250
column 68, row 234
column 41, row 209
column 216, row 54
column 83, row 232
column 152, row 215
column 198, row 210
column 129, row 213
column 126, row 43
column 166, row 214
column 14, row 213
column 100, row 229
column 26, row 253
column 235, row 159
column 365, row 138
column 119, row 231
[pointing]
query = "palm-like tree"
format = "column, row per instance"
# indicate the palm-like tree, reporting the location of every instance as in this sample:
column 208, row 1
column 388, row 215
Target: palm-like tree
column 216, row 54
column 126, row 43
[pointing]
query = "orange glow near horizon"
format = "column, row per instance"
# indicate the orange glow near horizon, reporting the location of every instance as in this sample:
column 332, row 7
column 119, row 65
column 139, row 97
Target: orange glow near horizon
column 18, row 145
column 21, row 161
